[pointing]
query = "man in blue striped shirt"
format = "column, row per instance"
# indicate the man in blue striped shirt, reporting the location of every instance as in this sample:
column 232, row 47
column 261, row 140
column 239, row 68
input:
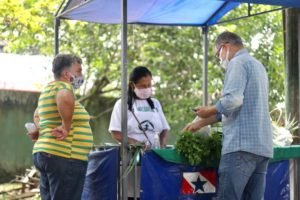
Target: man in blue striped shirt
column 244, row 112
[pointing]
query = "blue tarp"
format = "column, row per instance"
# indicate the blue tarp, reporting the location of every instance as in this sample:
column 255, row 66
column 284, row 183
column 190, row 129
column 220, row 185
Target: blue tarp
column 156, row 12
column 278, row 181
column 168, row 181
column 165, row 180
column 102, row 175
column 285, row 3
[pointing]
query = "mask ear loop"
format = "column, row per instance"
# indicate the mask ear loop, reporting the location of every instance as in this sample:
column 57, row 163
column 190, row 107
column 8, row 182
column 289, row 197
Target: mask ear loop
column 220, row 57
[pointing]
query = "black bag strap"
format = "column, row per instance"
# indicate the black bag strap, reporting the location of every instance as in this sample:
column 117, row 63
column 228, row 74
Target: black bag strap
column 140, row 126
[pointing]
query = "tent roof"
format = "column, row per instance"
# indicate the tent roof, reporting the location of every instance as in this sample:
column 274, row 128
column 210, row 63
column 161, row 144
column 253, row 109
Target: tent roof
column 154, row 12
column 285, row 3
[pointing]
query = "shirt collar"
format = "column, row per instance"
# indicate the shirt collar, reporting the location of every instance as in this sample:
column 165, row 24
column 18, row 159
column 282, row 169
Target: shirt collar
column 240, row 52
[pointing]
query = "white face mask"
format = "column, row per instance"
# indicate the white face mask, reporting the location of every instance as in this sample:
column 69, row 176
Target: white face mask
column 144, row 93
column 77, row 81
column 224, row 63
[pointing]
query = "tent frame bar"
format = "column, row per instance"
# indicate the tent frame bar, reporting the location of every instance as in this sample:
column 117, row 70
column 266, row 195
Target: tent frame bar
column 59, row 8
column 56, row 36
column 250, row 15
column 205, row 66
column 75, row 7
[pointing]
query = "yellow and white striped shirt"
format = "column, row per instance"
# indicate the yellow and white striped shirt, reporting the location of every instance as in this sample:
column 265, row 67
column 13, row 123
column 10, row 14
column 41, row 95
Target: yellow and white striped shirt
column 80, row 139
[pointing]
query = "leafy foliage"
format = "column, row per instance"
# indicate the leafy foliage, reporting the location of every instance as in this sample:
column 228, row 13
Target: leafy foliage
column 199, row 149
column 27, row 25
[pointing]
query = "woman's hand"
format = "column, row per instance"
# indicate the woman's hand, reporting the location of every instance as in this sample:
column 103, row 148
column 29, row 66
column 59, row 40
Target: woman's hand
column 60, row 132
column 33, row 135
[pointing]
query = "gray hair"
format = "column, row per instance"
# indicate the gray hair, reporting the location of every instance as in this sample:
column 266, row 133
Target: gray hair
column 229, row 37
column 63, row 61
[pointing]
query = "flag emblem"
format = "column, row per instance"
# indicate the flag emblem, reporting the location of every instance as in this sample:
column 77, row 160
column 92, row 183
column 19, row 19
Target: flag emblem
column 199, row 182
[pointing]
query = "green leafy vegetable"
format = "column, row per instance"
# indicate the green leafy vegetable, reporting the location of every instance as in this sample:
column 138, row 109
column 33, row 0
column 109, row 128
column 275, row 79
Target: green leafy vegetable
column 198, row 149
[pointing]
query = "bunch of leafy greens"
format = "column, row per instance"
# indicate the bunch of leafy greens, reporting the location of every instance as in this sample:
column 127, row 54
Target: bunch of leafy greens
column 135, row 151
column 198, row 149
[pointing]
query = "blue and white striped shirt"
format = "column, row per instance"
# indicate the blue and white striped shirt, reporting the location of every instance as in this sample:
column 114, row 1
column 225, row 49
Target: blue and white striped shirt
column 244, row 105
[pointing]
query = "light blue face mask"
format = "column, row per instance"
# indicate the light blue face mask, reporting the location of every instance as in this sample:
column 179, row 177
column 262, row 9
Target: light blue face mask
column 224, row 63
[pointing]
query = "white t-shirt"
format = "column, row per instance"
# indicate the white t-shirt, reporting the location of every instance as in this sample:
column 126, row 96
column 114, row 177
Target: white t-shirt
column 152, row 121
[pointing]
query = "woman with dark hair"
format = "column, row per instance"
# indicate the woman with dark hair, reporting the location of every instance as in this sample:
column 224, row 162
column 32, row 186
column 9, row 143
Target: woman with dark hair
column 146, row 119
column 145, row 115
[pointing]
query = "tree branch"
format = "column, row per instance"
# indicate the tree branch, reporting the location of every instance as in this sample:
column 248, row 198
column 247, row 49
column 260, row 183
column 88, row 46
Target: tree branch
column 102, row 113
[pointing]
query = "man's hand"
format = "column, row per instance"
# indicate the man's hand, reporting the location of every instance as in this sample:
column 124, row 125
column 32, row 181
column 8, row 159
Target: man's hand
column 199, row 123
column 206, row 111
column 193, row 126
column 60, row 132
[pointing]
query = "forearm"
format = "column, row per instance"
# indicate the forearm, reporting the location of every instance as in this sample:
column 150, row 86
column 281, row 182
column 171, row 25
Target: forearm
column 206, row 111
column 212, row 111
column 208, row 121
column 118, row 137
column 202, row 122
column 36, row 118
column 163, row 138
column 66, row 117
column 65, row 105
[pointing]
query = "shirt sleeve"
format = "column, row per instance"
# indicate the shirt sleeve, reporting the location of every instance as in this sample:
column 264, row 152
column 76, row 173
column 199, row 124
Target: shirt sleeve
column 234, row 87
column 164, row 122
column 115, row 119
column 64, row 86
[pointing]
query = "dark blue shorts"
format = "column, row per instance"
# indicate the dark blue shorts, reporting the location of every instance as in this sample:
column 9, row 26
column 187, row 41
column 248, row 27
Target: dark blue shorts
column 61, row 178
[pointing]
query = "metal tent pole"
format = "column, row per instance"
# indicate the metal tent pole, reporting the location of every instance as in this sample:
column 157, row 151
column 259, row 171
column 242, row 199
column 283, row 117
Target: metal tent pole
column 56, row 29
column 124, row 181
column 56, row 35
column 205, row 65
